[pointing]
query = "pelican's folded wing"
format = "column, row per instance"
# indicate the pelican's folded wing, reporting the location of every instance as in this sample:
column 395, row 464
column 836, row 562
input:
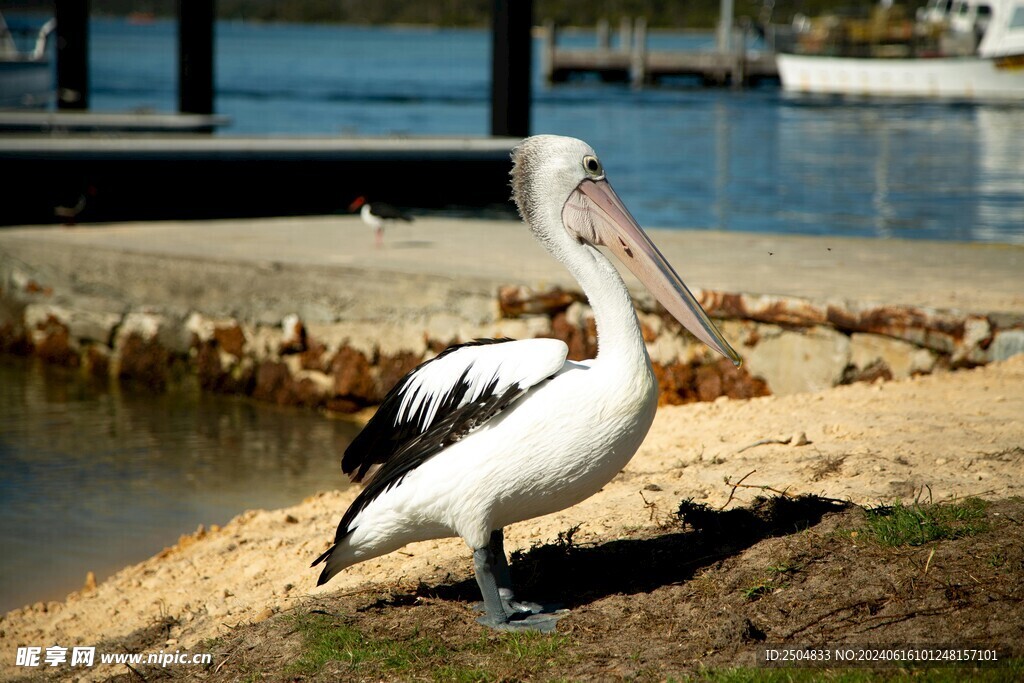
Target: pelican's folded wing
column 450, row 396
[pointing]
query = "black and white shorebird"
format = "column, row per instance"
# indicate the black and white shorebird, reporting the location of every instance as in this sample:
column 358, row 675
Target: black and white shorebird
column 497, row 431
column 377, row 215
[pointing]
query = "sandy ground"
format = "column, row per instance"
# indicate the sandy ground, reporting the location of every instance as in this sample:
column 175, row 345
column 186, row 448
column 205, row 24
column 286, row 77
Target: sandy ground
column 957, row 434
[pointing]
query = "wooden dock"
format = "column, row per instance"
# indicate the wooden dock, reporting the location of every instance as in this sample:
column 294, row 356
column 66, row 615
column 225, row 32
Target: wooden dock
column 632, row 62
column 95, row 178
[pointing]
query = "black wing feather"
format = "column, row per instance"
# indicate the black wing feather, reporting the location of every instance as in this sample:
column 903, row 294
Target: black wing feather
column 443, row 433
column 384, row 435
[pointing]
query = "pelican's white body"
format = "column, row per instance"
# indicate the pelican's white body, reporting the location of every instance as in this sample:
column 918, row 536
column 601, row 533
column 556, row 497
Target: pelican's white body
column 560, row 444
column 519, row 431
column 490, row 480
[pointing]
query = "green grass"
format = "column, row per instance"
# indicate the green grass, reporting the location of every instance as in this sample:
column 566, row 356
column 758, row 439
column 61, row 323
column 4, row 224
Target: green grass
column 528, row 645
column 997, row 559
column 758, row 590
column 919, row 523
column 327, row 641
column 783, row 567
column 778, row 574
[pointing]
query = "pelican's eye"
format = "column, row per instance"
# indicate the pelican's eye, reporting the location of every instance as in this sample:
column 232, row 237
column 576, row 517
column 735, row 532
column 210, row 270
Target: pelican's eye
column 592, row 166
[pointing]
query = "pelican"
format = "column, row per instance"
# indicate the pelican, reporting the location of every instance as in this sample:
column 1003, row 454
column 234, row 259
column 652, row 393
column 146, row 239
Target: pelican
column 497, row 431
column 377, row 215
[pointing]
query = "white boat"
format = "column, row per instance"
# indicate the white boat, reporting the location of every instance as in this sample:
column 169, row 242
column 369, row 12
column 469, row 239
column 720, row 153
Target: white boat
column 953, row 49
column 26, row 76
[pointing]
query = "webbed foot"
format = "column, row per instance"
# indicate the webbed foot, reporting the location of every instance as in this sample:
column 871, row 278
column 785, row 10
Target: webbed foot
column 539, row 622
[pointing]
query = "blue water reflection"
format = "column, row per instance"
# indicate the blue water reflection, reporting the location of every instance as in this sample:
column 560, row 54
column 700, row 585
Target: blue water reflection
column 681, row 157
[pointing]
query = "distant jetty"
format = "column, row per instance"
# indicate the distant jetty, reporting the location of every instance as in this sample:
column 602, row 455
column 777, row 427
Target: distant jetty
column 630, row 60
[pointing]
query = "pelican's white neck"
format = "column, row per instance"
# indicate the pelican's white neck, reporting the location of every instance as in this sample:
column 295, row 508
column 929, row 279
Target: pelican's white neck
column 618, row 330
column 546, row 171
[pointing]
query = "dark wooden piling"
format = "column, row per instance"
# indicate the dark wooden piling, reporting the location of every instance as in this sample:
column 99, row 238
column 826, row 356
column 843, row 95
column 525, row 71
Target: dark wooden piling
column 195, row 56
column 724, row 35
column 72, row 53
column 604, row 35
column 638, row 54
column 625, row 34
column 510, row 67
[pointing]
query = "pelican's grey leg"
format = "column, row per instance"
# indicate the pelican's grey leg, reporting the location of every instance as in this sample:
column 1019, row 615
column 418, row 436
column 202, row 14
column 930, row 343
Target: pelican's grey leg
column 484, row 566
column 504, row 577
column 501, row 612
column 497, row 548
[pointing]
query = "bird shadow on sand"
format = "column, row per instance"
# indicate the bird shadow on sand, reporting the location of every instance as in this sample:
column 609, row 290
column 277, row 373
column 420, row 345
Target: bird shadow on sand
column 577, row 574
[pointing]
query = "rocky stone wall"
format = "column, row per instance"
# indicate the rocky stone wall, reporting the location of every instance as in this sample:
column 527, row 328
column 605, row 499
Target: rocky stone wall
column 788, row 345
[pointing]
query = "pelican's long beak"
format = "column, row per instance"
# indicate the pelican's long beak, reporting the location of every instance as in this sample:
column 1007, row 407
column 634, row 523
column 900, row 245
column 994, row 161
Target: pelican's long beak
column 611, row 224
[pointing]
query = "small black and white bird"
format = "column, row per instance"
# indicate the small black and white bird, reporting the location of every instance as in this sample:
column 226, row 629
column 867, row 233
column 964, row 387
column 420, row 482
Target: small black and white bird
column 498, row 431
column 377, row 215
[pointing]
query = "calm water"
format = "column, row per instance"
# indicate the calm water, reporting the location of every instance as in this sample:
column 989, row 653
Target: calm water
column 679, row 156
column 94, row 480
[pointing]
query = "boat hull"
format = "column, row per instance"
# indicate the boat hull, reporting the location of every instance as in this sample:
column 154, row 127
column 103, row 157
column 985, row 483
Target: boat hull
column 954, row 78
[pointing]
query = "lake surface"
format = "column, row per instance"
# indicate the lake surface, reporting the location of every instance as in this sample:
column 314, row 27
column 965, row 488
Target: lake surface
column 95, row 479
column 680, row 156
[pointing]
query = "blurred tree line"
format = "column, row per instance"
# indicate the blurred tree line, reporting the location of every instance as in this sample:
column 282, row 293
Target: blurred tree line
column 678, row 14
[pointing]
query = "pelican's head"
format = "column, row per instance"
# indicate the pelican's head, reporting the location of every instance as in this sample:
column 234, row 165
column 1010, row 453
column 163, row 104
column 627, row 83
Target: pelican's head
column 560, row 188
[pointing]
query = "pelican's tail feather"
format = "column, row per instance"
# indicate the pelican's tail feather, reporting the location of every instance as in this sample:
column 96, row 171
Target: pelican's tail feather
column 337, row 557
